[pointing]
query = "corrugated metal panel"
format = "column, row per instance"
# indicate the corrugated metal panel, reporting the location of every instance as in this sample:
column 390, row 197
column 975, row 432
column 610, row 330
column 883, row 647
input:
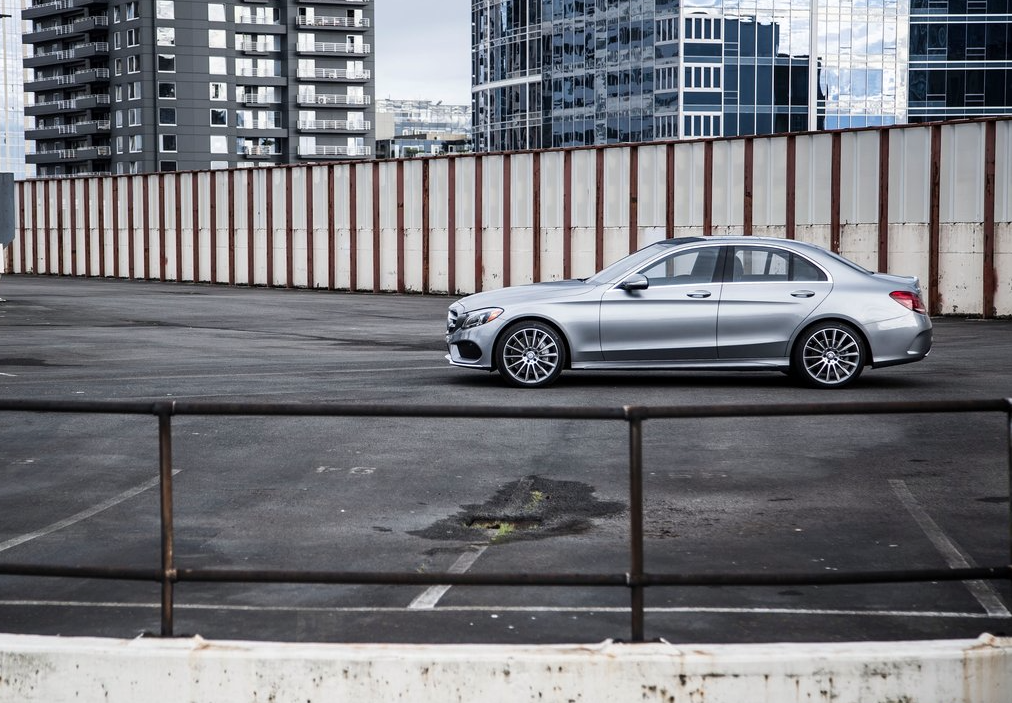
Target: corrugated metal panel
column 1003, row 172
column 769, row 158
column 689, row 158
column 962, row 185
column 814, row 172
column 616, row 187
column 859, row 193
column 651, row 195
column 728, row 183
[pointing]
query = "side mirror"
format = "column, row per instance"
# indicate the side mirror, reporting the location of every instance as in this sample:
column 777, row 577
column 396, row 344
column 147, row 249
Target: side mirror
column 636, row 281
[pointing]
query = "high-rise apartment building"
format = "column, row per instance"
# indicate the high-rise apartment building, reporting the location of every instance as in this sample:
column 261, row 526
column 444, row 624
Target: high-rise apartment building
column 12, row 101
column 164, row 85
column 551, row 73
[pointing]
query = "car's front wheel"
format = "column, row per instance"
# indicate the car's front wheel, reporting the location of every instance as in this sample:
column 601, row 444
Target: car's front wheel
column 530, row 355
column 828, row 355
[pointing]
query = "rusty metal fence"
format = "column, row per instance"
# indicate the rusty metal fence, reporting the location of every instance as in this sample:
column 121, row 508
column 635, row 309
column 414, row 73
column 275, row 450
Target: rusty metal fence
column 637, row 579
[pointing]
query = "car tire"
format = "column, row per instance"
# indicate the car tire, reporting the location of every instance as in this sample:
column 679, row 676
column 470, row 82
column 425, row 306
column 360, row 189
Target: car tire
column 530, row 355
column 828, row 355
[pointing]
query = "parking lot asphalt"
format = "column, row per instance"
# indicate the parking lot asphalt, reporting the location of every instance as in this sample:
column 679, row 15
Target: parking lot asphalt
column 733, row 495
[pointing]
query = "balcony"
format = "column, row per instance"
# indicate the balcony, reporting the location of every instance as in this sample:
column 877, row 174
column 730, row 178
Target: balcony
column 332, row 151
column 82, row 77
column 334, row 74
column 258, row 151
column 259, row 21
column 63, row 130
column 255, row 99
column 335, row 49
column 80, row 26
column 50, row 9
column 58, row 155
column 78, row 53
column 334, row 125
column 334, row 22
column 332, row 99
column 257, row 47
column 85, row 102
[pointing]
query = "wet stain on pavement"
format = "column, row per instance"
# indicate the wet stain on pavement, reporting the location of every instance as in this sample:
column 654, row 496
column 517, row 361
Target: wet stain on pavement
column 531, row 508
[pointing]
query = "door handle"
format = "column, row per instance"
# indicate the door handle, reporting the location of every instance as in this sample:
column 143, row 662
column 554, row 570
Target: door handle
column 803, row 293
column 700, row 294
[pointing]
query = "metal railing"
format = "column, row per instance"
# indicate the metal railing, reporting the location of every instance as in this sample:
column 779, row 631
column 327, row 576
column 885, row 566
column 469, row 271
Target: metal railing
column 636, row 580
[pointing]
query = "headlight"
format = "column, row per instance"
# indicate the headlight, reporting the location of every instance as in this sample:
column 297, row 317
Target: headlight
column 480, row 317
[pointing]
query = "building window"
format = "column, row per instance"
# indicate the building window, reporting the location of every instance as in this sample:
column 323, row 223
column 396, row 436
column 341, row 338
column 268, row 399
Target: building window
column 133, row 37
column 168, row 143
column 217, row 39
column 166, row 63
column 666, row 78
column 165, row 9
column 115, row 15
column 134, row 90
column 167, row 90
column 167, row 166
column 116, row 41
column 117, row 66
column 216, row 13
column 136, row 143
column 703, row 29
column 131, row 10
column 119, row 118
column 134, row 116
column 165, row 36
column 166, row 115
column 219, row 144
column 219, row 165
column 217, row 65
column 702, row 77
column 219, row 118
column 701, row 125
column 133, row 64
column 219, row 91
column 119, row 145
column 117, row 93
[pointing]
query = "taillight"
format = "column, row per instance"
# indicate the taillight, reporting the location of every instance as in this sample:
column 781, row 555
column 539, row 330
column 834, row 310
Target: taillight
column 911, row 301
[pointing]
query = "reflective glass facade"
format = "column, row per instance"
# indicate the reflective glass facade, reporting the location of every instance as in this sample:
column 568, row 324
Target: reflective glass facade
column 12, row 99
column 960, row 58
column 551, row 73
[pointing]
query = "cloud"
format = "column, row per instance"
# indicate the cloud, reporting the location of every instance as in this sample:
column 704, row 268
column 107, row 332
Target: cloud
column 423, row 50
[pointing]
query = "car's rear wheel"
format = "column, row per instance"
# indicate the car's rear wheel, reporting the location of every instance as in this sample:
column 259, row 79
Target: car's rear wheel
column 530, row 355
column 828, row 355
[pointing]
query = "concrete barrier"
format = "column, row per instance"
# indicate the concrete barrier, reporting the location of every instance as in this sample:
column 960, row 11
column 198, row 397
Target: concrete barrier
column 37, row 669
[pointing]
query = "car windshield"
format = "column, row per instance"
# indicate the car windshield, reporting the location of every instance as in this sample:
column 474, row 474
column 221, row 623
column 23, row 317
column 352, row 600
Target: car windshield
column 611, row 273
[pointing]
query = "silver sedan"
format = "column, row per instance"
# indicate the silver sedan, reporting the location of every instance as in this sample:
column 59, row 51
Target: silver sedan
column 735, row 303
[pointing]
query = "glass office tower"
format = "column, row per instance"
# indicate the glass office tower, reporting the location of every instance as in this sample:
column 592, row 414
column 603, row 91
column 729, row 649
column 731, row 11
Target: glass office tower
column 960, row 59
column 12, row 99
column 550, row 73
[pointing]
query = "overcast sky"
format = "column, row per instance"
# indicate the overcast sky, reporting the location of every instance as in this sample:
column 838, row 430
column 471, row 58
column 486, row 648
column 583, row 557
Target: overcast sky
column 423, row 50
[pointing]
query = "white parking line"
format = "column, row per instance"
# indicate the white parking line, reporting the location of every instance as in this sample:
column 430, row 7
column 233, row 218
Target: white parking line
column 83, row 515
column 585, row 610
column 432, row 594
column 982, row 590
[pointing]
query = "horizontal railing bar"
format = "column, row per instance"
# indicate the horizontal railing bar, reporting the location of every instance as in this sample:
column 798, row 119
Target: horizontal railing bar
column 980, row 573
column 533, row 412
column 112, row 573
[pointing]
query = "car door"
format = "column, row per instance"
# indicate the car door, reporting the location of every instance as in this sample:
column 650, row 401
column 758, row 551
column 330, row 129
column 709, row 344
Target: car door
column 674, row 317
column 768, row 293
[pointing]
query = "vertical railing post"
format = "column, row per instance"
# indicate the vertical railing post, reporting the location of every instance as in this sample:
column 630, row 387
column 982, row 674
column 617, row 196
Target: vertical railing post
column 635, row 576
column 165, row 474
column 1008, row 441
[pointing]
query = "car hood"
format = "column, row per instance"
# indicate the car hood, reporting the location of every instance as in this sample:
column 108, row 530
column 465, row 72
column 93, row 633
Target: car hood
column 514, row 295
